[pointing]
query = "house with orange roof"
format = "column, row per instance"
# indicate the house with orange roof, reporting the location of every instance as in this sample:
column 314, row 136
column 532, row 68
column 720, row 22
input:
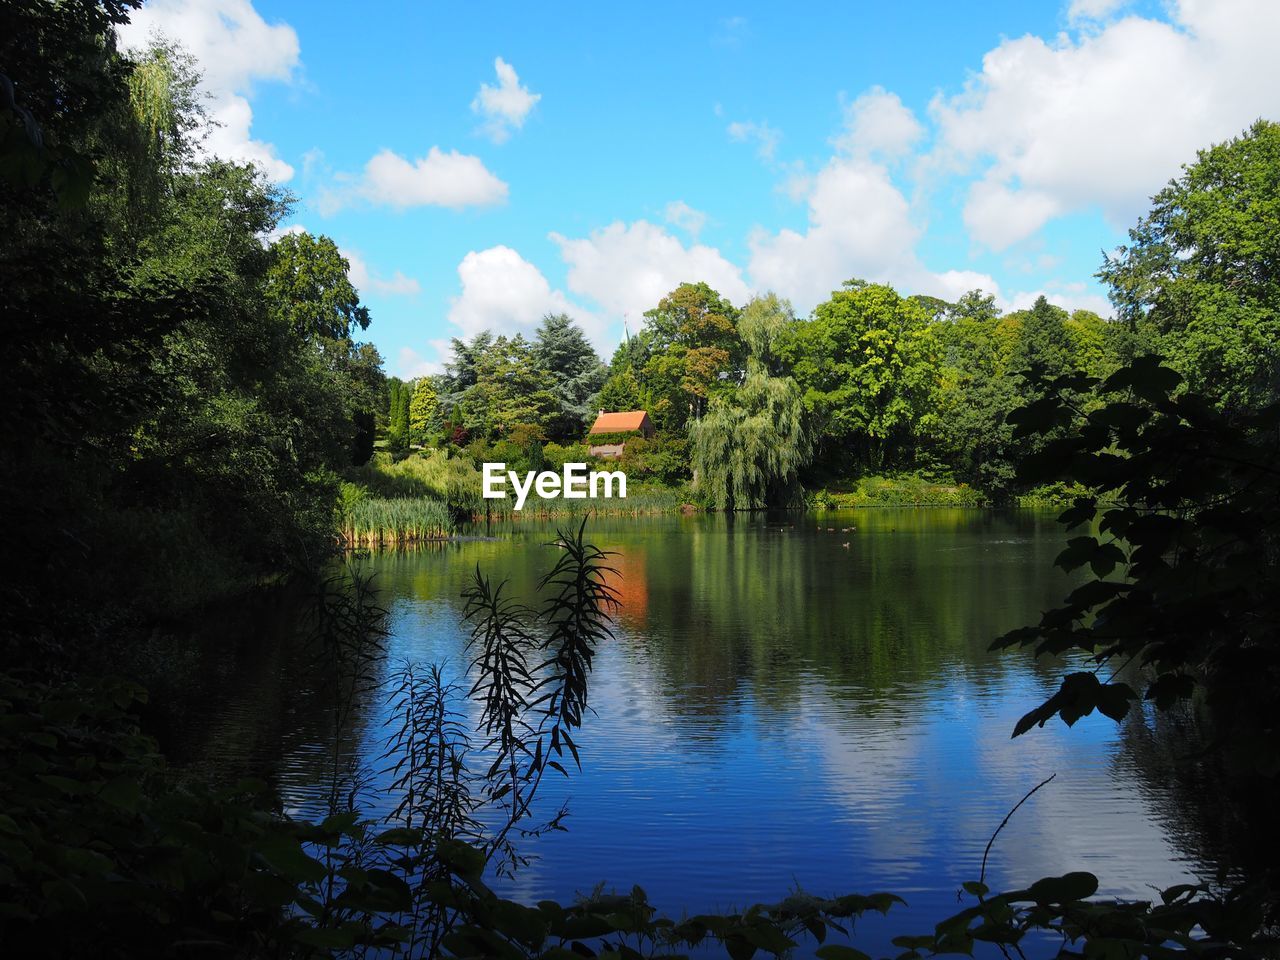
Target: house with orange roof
column 613, row 424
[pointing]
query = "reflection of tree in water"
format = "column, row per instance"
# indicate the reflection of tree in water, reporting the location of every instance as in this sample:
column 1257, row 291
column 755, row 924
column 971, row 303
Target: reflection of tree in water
column 255, row 702
column 1213, row 814
column 915, row 597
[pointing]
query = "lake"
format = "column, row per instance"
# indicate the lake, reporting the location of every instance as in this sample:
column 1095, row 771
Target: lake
column 785, row 704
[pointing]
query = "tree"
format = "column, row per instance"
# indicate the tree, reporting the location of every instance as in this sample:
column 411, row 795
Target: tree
column 867, row 364
column 562, row 350
column 424, row 409
column 1043, row 341
column 509, row 389
column 310, row 290
column 1092, row 343
column 310, row 293
column 762, row 322
column 975, row 393
column 1200, row 278
column 694, row 349
column 622, row 391
column 750, row 446
column 399, row 396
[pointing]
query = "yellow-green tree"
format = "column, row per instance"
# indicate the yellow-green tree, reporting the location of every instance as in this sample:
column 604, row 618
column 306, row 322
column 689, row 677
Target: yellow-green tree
column 423, row 409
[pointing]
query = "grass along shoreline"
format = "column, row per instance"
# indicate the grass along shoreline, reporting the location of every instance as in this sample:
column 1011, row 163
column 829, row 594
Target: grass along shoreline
column 425, row 498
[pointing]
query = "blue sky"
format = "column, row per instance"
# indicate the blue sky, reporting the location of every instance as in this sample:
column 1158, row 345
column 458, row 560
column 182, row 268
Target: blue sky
column 481, row 165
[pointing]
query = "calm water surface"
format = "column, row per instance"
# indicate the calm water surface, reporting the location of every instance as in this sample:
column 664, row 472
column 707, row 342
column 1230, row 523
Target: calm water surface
column 782, row 706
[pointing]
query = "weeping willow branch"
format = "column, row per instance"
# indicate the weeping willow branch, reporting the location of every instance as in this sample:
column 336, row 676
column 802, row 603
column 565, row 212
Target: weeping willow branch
column 750, row 447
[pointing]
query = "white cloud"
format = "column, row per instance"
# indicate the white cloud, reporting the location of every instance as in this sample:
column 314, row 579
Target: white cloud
column 272, row 236
column 235, row 48
column 1073, row 296
column 877, row 124
column 860, row 225
column 766, row 138
column 1000, row 216
column 680, row 214
column 439, row 179
column 505, row 293
column 1104, row 119
column 410, row 364
column 365, row 281
column 627, row 269
column 505, row 106
column 1094, row 9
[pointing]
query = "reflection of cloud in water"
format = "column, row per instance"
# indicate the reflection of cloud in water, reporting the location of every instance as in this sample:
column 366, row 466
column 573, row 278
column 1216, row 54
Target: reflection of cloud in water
column 942, row 782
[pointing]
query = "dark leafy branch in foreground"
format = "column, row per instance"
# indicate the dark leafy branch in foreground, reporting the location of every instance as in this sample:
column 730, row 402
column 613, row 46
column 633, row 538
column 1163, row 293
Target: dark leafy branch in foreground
column 1182, row 605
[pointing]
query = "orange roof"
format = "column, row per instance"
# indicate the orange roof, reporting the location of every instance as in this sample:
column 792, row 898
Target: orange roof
column 619, row 422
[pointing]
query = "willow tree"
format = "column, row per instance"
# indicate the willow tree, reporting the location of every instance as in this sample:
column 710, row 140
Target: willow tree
column 750, row 446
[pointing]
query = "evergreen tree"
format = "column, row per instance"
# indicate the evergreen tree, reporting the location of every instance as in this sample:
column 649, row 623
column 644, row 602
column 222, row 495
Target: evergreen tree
column 1044, row 342
column 562, row 350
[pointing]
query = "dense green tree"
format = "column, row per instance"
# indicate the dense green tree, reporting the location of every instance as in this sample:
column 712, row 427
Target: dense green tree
column 180, row 423
column 463, row 370
column 562, row 350
column 509, row 389
column 399, row 396
column 1043, row 341
column 976, row 393
column 867, row 364
column 308, row 290
column 762, row 322
column 1200, row 278
column 694, row 352
column 622, row 391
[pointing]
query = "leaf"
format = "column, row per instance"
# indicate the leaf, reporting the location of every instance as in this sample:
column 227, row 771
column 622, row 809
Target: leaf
column 399, row 837
column 462, row 858
column 1064, row 889
column 285, row 855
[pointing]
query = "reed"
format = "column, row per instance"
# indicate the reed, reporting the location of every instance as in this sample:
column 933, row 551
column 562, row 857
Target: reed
column 378, row 521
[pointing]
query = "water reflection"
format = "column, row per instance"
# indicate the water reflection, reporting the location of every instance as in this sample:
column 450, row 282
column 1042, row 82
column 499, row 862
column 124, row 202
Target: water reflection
column 784, row 704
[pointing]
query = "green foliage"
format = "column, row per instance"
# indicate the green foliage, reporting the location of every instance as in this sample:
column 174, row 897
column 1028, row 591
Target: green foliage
column 661, row 459
column 867, row 365
column 424, row 407
column 399, row 397
column 691, row 344
column 901, row 490
column 1044, row 342
column 1200, row 279
column 1183, row 597
column 622, row 391
column 509, row 389
column 561, row 349
column 750, row 447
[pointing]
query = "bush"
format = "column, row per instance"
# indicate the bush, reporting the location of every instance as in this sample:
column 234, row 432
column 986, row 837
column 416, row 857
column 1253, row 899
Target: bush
column 900, row 490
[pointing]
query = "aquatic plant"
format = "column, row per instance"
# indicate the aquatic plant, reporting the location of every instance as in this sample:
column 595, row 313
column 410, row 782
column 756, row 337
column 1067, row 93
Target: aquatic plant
column 378, row 521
